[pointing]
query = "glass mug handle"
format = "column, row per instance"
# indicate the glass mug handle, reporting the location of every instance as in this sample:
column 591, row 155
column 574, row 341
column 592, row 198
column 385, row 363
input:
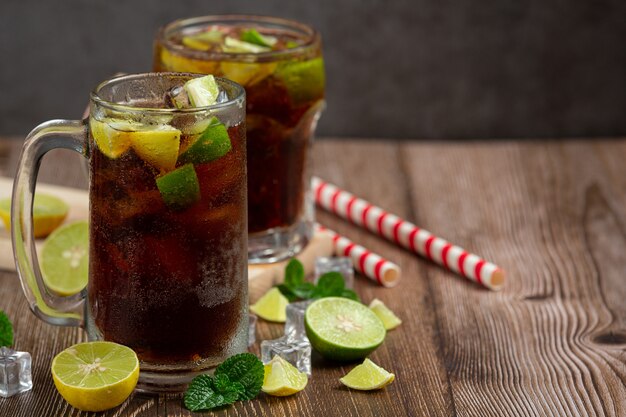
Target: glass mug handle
column 49, row 307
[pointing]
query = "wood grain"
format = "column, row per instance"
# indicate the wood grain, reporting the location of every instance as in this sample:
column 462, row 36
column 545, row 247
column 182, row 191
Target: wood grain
column 552, row 343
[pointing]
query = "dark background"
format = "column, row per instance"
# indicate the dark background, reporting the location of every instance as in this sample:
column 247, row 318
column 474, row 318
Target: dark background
column 397, row 69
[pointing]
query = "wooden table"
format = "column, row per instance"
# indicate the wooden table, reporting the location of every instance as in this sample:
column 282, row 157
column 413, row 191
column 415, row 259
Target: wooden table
column 552, row 343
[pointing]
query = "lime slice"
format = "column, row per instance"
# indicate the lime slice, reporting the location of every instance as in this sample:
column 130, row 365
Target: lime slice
column 64, row 259
column 95, row 376
column 48, row 213
column 389, row 319
column 304, row 79
column 174, row 62
column 253, row 36
column 157, row 145
column 179, row 188
column 343, row 329
column 212, row 144
column 282, row 378
column 247, row 74
column 271, row 306
column 202, row 41
column 202, row 91
column 367, row 376
column 111, row 136
column 233, row 45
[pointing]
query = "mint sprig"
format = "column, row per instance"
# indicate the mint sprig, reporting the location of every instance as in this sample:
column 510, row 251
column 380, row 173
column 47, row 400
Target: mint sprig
column 6, row 330
column 330, row 284
column 239, row 377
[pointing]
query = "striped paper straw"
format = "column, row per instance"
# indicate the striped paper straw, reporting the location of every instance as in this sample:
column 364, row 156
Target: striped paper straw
column 406, row 234
column 373, row 266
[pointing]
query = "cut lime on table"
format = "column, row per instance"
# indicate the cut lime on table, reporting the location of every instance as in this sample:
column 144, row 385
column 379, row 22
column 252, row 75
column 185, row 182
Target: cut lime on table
column 343, row 329
column 271, row 306
column 367, row 376
column 48, row 214
column 389, row 319
column 64, row 259
column 282, row 378
column 95, row 376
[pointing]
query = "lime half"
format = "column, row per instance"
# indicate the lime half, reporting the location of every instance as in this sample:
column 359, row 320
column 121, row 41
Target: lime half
column 343, row 329
column 271, row 306
column 48, row 213
column 282, row 378
column 65, row 259
column 367, row 376
column 95, row 376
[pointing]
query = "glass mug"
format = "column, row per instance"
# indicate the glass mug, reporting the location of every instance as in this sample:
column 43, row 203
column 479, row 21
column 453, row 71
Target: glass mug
column 167, row 226
column 285, row 97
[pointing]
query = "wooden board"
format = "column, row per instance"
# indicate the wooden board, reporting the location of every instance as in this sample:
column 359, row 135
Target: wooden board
column 260, row 277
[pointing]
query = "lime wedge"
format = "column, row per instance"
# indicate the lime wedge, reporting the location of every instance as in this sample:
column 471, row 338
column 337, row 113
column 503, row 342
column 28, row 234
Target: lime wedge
column 389, row 319
column 304, row 79
column 65, row 259
column 202, row 91
column 95, row 376
column 48, row 213
column 247, row 74
column 202, row 41
column 157, row 145
column 233, row 45
column 343, row 329
column 271, row 306
column 111, row 136
column 253, row 36
column 212, row 144
column 179, row 188
column 282, row 378
column 367, row 376
column 174, row 62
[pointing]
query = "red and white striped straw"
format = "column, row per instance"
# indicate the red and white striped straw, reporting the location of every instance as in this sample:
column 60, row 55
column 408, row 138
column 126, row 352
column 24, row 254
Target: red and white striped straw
column 373, row 266
column 406, row 234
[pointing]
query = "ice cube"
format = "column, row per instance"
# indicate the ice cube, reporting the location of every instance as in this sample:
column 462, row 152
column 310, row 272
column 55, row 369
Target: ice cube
column 341, row 264
column 298, row 352
column 221, row 97
column 177, row 98
column 294, row 326
column 251, row 329
column 15, row 376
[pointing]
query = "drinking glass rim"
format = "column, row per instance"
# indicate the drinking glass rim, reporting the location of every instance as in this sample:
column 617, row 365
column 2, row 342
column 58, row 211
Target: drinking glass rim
column 312, row 39
column 100, row 101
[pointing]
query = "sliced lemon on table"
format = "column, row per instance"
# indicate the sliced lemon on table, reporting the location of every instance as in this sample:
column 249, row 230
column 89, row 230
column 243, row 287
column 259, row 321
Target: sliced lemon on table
column 342, row 329
column 389, row 319
column 272, row 306
column 48, row 213
column 65, row 258
column 95, row 376
column 367, row 376
column 282, row 378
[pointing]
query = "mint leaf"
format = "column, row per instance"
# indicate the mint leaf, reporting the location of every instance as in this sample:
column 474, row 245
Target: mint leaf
column 304, row 290
column 286, row 291
column 294, row 273
column 331, row 284
column 346, row 293
column 6, row 330
column 206, row 392
column 247, row 370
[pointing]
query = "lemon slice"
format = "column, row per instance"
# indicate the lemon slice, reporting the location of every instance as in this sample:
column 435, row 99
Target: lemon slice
column 343, row 329
column 389, row 319
column 247, row 74
column 178, row 63
column 367, row 376
column 95, row 376
column 111, row 136
column 48, row 214
column 282, row 378
column 64, row 259
column 202, row 41
column 158, row 146
column 272, row 306
column 202, row 91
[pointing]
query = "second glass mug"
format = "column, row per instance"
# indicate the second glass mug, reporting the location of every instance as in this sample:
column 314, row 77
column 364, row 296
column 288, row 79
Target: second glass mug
column 285, row 98
column 168, row 227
